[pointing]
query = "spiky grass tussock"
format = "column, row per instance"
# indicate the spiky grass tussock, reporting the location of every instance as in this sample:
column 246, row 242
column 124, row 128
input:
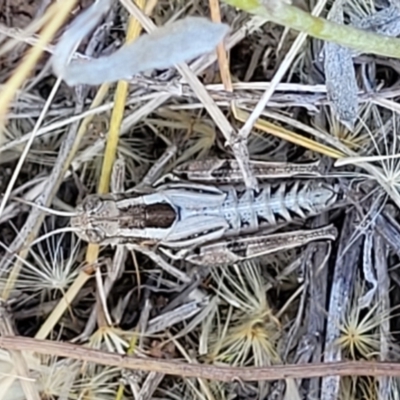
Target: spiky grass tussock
column 360, row 339
column 57, row 377
column 387, row 144
column 367, row 388
column 360, row 336
column 51, row 268
column 101, row 383
column 245, row 319
column 264, row 147
column 357, row 139
column 62, row 379
column 10, row 387
column 193, row 131
column 112, row 339
column 356, row 388
column 245, row 330
column 381, row 163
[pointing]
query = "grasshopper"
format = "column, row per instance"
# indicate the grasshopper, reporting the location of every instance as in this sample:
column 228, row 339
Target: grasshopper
column 203, row 213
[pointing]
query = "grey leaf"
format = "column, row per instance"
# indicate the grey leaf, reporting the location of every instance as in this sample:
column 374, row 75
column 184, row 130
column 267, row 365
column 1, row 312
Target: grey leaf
column 165, row 47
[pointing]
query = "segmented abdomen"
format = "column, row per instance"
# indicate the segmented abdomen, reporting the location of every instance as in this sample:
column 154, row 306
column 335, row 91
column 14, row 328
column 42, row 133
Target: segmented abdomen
column 276, row 203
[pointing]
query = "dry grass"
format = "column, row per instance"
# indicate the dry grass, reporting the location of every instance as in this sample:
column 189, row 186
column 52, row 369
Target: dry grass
column 291, row 325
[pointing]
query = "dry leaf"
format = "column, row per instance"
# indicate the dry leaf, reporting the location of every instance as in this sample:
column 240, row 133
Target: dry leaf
column 167, row 46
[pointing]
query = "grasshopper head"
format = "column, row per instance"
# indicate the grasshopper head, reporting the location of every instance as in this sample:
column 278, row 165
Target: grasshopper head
column 95, row 219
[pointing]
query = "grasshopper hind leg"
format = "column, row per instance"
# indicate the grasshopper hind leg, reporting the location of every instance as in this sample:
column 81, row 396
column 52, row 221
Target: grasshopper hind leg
column 231, row 251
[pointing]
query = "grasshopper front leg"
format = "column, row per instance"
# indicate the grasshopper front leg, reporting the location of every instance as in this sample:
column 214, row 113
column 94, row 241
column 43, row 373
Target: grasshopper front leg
column 225, row 252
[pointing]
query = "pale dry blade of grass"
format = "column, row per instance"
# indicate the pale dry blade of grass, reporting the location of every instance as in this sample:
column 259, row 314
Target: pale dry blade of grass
column 26, row 35
column 368, row 268
column 292, row 391
column 213, row 89
column 315, row 259
column 53, row 127
column 290, row 136
column 179, row 314
column 381, row 265
column 60, row 11
column 343, row 281
column 150, row 385
column 32, row 225
column 280, row 73
column 365, row 159
column 221, row 52
column 386, row 103
column 27, row 147
column 341, row 82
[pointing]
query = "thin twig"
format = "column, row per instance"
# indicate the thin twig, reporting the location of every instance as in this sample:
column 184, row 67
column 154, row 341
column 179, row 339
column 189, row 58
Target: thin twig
column 225, row 374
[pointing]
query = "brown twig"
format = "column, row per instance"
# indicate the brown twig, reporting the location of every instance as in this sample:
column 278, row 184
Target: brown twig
column 226, row 374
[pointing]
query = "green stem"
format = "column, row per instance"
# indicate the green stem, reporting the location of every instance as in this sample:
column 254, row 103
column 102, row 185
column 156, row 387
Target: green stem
column 292, row 17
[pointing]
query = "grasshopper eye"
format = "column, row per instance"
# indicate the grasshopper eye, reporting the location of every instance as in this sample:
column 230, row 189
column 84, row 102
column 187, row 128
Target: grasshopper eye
column 94, row 235
column 92, row 203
